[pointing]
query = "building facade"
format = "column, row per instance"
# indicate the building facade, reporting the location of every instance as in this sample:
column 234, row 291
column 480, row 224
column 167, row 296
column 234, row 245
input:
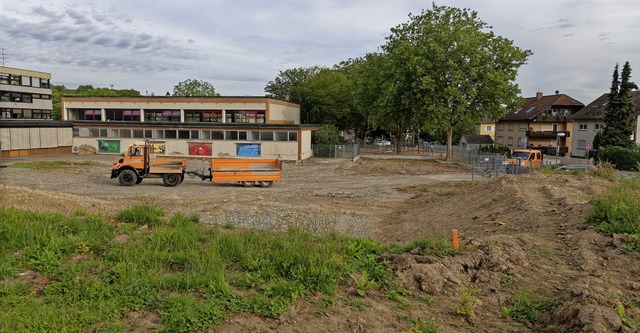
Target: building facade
column 590, row 120
column 193, row 126
column 24, row 94
column 541, row 122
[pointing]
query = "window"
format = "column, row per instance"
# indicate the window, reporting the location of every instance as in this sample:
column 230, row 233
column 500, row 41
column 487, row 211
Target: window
column 138, row 134
column 4, row 78
column 92, row 115
column 582, row 144
column 500, row 140
column 293, row 136
column 582, row 127
column 44, row 83
column 522, row 127
column 266, row 136
column 212, row 116
column 488, row 128
column 597, row 127
column 25, row 81
column 282, row 136
column 5, row 96
column 131, row 115
column 510, row 141
column 245, row 116
column 510, row 126
column 500, row 126
column 217, row 135
column 170, row 134
column 231, row 135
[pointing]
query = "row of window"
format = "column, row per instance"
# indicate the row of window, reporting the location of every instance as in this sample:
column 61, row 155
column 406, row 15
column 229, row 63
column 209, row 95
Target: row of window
column 20, row 97
column 214, row 116
column 24, row 114
column 185, row 134
column 24, row 80
column 585, row 127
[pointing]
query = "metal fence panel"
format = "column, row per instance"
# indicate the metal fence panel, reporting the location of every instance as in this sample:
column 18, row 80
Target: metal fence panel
column 348, row 151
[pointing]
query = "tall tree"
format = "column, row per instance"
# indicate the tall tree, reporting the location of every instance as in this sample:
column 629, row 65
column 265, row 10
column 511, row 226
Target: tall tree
column 445, row 67
column 291, row 85
column 619, row 114
column 329, row 96
column 193, row 87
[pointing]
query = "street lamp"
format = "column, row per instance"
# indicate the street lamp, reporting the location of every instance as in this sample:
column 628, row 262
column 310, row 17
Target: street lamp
column 558, row 136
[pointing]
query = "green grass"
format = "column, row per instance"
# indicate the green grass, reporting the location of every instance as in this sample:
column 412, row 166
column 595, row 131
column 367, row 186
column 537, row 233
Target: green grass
column 49, row 165
column 527, row 306
column 617, row 211
column 191, row 275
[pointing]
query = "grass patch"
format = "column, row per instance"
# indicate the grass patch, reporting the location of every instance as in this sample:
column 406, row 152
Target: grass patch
column 427, row 247
column 49, row 165
column 91, row 273
column 617, row 211
column 528, row 306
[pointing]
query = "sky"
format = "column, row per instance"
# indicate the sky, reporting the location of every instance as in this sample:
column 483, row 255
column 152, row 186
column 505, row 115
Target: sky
column 239, row 46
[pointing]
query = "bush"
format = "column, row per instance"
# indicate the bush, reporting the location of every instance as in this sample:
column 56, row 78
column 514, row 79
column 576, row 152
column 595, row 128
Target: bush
column 627, row 159
column 327, row 134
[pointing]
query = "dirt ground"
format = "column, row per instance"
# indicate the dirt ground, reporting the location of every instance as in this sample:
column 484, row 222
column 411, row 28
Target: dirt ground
column 518, row 233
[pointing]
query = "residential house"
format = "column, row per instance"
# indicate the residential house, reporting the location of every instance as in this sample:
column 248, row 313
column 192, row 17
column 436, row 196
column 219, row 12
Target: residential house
column 590, row 120
column 540, row 122
column 470, row 141
column 487, row 126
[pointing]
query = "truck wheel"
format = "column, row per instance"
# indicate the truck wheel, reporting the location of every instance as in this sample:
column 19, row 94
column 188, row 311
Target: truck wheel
column 171, row 179
column 139, row 180
column 248, row 184
column 265, row 184
column 128, row 178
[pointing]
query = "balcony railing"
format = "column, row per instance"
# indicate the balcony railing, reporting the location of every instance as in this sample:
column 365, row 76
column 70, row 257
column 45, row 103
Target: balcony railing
column 547, row 134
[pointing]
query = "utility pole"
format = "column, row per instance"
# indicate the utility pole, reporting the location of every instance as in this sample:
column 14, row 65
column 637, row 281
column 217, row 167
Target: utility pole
column 3, row 57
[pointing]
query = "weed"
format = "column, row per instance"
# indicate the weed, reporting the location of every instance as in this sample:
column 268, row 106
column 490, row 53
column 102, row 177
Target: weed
column 321, row 307
column 358, row 304
column 419, row 325
column 467, row 303
column 184, row 313
column 396, row 294
column 427, row 299
column 363, row 283
column 507, row 278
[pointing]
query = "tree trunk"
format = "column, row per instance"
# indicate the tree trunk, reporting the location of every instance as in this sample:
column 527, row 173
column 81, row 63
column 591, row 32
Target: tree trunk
column 449, row 156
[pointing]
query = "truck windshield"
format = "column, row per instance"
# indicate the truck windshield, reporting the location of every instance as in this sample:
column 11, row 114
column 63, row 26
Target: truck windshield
column 522, row 155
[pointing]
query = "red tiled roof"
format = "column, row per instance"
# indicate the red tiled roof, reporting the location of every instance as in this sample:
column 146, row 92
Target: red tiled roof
column 533, row 106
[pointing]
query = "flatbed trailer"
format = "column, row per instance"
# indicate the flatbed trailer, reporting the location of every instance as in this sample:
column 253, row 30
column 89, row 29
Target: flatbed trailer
column 247, row 171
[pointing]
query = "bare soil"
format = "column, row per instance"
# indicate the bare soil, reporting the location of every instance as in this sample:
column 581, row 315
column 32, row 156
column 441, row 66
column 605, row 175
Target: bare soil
column 518, row 233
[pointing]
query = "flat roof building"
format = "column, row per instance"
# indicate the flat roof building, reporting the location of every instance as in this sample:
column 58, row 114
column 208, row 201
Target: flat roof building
column 194, row 126
column 24, row 94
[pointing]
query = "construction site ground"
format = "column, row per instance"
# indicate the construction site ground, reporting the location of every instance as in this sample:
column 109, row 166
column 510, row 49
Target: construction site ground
column 518, row 234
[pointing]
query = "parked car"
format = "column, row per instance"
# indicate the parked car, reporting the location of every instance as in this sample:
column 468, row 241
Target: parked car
column 382, row 143
column 575, row 167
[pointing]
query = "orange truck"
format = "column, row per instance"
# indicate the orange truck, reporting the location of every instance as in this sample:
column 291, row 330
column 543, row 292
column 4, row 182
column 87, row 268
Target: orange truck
column 138, row 163
column 523, row 160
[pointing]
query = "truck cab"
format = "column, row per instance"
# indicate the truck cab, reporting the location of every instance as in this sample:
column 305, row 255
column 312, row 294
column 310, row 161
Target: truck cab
column 138, row 163
column 523, row 160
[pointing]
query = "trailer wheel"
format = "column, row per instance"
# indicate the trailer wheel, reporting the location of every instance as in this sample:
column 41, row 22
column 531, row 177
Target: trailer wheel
column 265, row 184
column 128, row 178
column 248, row 184
column 139, row 180
column 171, row 179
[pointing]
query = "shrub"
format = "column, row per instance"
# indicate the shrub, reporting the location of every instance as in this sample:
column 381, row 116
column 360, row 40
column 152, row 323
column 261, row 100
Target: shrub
column 622, row 158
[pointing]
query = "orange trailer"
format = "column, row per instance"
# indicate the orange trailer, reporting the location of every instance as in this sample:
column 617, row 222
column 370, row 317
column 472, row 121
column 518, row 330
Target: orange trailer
column 244, row 170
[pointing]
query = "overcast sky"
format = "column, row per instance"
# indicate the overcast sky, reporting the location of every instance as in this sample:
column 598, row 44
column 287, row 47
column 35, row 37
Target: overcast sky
column 240, row 45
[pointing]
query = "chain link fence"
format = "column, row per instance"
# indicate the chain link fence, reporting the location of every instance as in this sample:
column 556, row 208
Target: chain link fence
column 346, row 151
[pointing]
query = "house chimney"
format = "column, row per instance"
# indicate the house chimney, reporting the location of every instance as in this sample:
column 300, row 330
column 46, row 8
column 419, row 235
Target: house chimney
column 538, row 95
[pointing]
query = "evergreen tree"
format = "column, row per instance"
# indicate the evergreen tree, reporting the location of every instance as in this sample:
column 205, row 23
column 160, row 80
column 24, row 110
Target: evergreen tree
column 619, row 112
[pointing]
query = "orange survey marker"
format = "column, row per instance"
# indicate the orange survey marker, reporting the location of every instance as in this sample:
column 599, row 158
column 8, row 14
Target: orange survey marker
column 455, row 239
